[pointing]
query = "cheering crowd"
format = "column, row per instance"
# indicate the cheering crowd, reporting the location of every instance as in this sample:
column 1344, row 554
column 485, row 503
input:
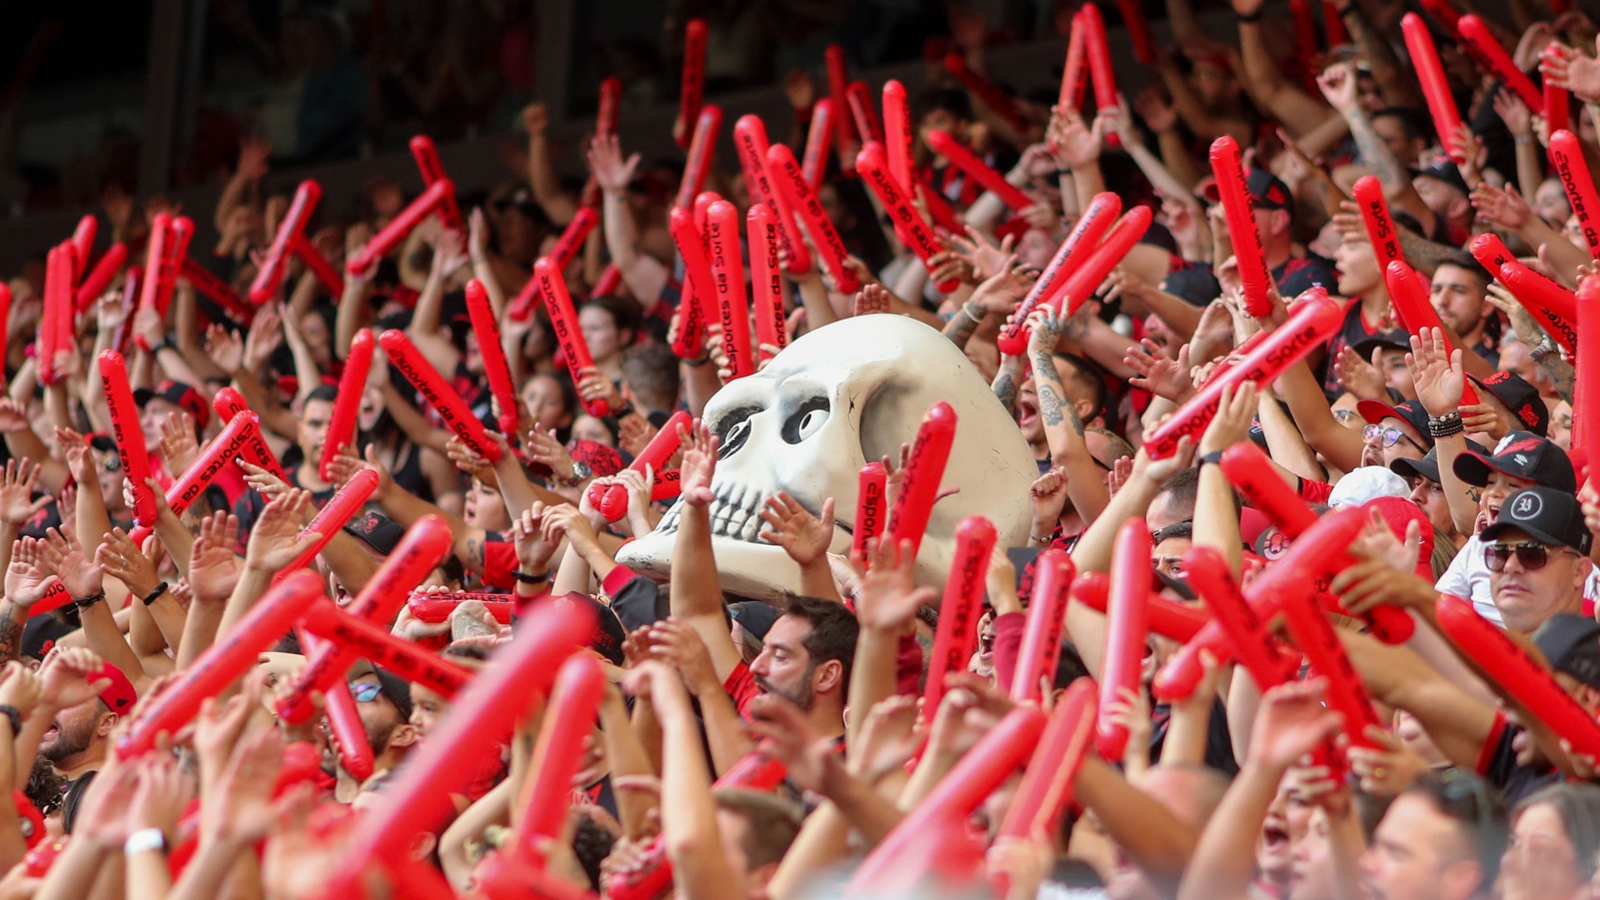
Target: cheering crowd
column 311, row 538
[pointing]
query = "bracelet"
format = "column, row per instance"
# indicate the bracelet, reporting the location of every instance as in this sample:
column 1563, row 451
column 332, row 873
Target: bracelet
column 1252, row 17
column 145, row 840
column 525, row 578
column 92, row 599
column 1445, row 425
column 967, row 309
column 151, row 597
column 1064, row 172
column 1040, row 540
column 1524, row 139
column 14, row 715
column 1212, row 458
column 626, row 409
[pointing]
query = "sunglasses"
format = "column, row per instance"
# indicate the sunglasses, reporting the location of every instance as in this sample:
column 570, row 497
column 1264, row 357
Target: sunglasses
column 365, row 692
column 1390, row 435
column 1458, row 786
column 1531, row 555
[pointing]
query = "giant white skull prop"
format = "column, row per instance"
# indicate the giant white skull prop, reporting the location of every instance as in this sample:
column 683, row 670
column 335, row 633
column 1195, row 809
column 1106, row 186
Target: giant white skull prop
column 832, row 401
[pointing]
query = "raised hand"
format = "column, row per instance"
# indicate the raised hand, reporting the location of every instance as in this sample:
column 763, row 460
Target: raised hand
column 1049, row 495
column 214, row 568
column 275, row 541
column 1436, row 371
column 164, row 790
column 542, row 447
column 224, row 347
column 803, row 536
column 125, row 562
column 870, row 300
column 29, row 575
column 1290, row 723
column 887, row 597
column 71, row 676
column 18, row 481
column 21, row 689
column 611, row 172
column 1388, row 771
column 177, row 445
column 699, row 448
column 677, row 644
column 82, row 578
column 785, row 735
column 528, row 537
column 1160, row 374
column 1358, row 376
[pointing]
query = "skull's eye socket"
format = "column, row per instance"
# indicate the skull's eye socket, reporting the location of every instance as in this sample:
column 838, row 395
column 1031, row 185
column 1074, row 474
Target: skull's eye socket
column 733, row 430
column 806, row 421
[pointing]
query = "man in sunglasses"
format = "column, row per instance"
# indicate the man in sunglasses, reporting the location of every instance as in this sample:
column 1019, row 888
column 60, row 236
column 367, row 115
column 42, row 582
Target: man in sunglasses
column 1537, row 554
column 383, row 700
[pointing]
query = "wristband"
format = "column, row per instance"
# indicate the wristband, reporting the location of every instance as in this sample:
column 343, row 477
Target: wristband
column 1040, row 540
column 966, row 308
column 623, row 411
column 145, row 840
column 14, row 715
column 1213, row 458
column 1445, row 425
column 92, row 599
column 151, row 597
column 525, row 578
column 1252, row 17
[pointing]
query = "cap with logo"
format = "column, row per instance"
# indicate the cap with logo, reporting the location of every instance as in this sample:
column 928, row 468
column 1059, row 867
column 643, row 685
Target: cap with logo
column 119, row 696
column 1520, row 454
column 180, row 395
column 1572, row 645
column 1544, row 514
column 1522, row 398
column 1409, row 412
column 1428, row 466
column 1267, row 191
column 377, row 531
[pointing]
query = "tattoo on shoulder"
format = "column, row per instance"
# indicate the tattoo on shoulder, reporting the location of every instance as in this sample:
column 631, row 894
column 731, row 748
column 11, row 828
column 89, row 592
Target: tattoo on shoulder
column 10, row 632
column 474, row 553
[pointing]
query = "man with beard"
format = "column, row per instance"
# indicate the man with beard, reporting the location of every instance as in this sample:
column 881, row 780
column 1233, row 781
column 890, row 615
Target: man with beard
column 806, row 659
column 79, row 736
column 383, row 700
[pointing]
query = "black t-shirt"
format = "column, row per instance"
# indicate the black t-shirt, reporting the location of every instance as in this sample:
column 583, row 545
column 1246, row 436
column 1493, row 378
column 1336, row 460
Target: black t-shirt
column 1299, row 274
column 1219, row 744
column 1355, row 329
column 1499, row 767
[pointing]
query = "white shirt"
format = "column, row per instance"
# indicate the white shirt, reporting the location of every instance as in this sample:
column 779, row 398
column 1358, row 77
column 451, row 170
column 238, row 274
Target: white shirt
column 1468, row 578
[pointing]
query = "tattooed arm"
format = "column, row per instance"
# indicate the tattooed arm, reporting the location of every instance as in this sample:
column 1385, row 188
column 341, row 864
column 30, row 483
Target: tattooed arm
column 1008, row 380
column 1561, row 372
column 964, row 324
column 1063, row 429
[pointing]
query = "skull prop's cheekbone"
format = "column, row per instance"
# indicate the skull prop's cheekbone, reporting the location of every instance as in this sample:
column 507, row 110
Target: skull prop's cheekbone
column 833, row 400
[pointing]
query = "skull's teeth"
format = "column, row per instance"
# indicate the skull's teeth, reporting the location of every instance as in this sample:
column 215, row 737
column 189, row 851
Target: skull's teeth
column 731, row 516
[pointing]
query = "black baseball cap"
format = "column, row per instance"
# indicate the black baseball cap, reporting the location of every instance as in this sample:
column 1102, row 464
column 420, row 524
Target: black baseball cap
column 1572, row 645
column 1546, row 514
column 1428, row 466
column 377, row 531
column 755, row 617
column 1409, row 412
column 180, row 395
column 1520, row 454
column 1440, row 166
column 1521, row 398
column 1267, row 191
column 1392, row 339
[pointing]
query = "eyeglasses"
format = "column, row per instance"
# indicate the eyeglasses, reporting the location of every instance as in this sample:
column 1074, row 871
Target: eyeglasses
column 1390, row 435
column 1531, row 555
column 365, row 692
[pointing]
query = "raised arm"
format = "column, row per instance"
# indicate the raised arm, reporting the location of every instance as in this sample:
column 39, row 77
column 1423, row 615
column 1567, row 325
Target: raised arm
column 696, row 591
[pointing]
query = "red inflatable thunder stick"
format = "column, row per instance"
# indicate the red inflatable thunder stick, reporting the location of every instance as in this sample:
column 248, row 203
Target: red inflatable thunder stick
column 871, row 491
column 1333, row 25
column 1046, row 788
column 861, row 110
column 344, row 720
column 220, row 292
column 1081, row 241
column 568, row 720
column 898, row 134
column 975, row 168
column 693, row 90
column 689, row 332
column 819, row 138
column 766, row 280
column 1557, row 102
column 1168, row 619
column 1081, row 282
column 564, row 319
column 1313, row 319
column 932, row 840
column 987, row 91
column 55, row 320
column 427, row 157
column 1526, row 680
column 1553, row 305
column 495, row 366
column 702, row 149
column 160, row 270
column 234, row 654
column 479, row 721
column 791, row 185
column 425, row 543
column 1305, row 40
column 1239, row 634
column 750, row 139
column 333, row 515
column 1098, row 52
column 440, row 395
column 611, row 500
column 957, row 636
column 924, row 472
column 1254, row 475
column 1414, row 308
column 1493, row 58
column 733, row 304
column 1074, row 74
column 228, row 403
column 362, row 639
column 1047, row 610
column 99, row 278
column 1144, row 43
column 128, row 434
column 430, row 201
column 1586, row 404
column 1314, row 635
column 342, row 425
column 1242, row 231
column 844, row 130
column 567, row 248
column 605, row 121
column 939, row 208
column 1441, row 104
column 217, row 455
column 1566, row 155
column 1127, row 625
column 1444, row 13
column 434, row 608
column 270, row 275
column 652, row 877
column 909, row 226
column 83, row 244
column 1375, row 215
